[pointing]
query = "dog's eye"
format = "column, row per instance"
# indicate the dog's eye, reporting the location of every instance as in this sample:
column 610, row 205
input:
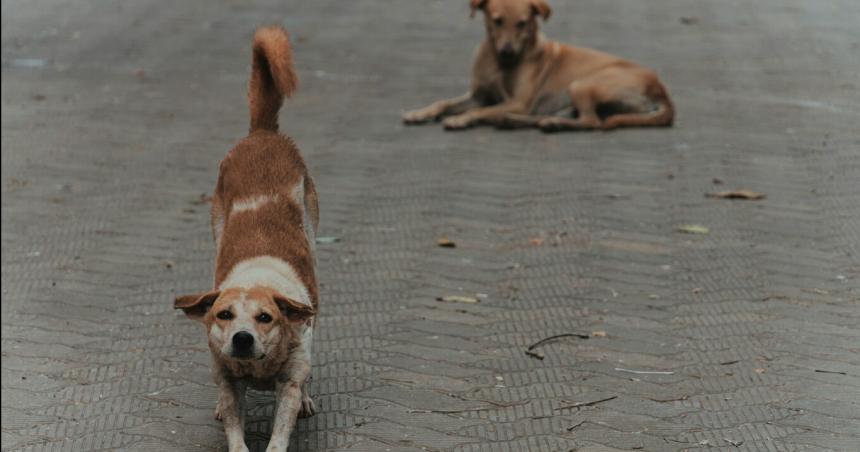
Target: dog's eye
column 497, row 21
column 225, row 315
column 521, row 24
column 264, row 318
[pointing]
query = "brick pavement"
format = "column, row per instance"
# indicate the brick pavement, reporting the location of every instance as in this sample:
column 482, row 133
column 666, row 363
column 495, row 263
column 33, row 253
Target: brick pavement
column 115, row 116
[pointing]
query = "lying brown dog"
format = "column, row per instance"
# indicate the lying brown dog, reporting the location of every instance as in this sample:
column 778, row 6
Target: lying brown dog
column 259, row 316
column 522, row 79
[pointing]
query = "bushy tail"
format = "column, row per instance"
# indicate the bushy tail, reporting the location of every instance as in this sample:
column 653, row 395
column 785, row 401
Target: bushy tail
column 272, row 77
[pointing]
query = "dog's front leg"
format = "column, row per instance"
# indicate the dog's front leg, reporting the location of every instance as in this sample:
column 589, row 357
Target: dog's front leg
column 440, row 109
column 488, row 115
column 231, row 405
column 288, row 392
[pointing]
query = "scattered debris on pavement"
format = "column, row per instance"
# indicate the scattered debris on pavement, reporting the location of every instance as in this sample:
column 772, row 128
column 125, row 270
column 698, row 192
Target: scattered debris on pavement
column 537, row 354
column 645, row 372
column 329, row 239
column 204, row 198
column 822, row 371
column 570, row 429
column 689, row 20
column 736, row 194
column 458, row 299
column 693, row 229
column 582, row 404
column 733, row 442
column 445, row 242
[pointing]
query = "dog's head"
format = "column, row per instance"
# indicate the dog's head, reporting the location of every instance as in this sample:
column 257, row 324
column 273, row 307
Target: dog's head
column 246, row 324
column 512, row 25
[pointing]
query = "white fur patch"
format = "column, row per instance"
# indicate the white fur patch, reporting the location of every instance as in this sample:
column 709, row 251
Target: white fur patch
column 271, row 272
column 253, row 202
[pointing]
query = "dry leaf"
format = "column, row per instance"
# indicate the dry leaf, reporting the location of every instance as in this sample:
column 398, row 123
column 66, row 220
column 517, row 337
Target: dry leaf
column 693, row 229
column 760, row 370
column 536, row 241
column 445, row 242
column 598, row 333
column 737, row 194
column 458, row 299
column 697, row 290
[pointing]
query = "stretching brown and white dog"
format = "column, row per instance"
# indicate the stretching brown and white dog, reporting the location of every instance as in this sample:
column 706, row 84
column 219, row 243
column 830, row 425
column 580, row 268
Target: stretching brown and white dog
column 260, row 315
column 522, row 79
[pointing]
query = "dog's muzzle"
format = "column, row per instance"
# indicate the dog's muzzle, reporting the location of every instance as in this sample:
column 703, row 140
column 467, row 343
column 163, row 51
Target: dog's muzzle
column 507, row 56
column 243, row 345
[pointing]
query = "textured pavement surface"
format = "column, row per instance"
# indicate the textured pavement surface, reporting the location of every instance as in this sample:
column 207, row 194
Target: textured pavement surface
column 116, row 114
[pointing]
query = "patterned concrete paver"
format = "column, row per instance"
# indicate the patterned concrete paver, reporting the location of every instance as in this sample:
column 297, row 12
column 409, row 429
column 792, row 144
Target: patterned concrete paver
column 115, row 115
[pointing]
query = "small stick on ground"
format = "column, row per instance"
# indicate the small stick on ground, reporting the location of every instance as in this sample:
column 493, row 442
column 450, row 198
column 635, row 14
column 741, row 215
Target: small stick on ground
column 570, row 429
column 468, row 410
column 822, row 371
column 645, row 372
column 536, row 354
column 547, row 339
column 582, row 404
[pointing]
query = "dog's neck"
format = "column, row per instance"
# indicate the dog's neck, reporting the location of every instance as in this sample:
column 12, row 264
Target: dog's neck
column 269, row 272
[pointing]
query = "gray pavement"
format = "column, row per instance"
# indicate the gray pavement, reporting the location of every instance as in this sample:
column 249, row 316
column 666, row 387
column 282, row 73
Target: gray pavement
column 116, row 114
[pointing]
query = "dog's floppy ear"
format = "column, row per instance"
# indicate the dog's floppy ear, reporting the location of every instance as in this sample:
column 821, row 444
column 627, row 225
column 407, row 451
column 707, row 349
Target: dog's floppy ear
column 293, row 310
column 476, row 5
column 541, row 8
column 196, row 305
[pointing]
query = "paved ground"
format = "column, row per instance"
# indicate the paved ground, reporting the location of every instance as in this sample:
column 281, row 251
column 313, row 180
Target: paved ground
column 115, row 115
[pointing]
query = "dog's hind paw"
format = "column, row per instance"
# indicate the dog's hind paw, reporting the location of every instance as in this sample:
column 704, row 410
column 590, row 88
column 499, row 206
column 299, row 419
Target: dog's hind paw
column 308, row 408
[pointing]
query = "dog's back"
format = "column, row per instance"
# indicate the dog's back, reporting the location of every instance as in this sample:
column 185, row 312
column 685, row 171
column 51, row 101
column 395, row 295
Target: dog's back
column 265, row 203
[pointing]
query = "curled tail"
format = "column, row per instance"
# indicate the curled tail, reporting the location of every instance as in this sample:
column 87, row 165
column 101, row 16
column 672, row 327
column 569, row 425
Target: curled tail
column 272, row 77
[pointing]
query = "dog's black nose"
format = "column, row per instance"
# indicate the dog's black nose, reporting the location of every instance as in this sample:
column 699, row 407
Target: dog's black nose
column 242, row 341
column 507, row 51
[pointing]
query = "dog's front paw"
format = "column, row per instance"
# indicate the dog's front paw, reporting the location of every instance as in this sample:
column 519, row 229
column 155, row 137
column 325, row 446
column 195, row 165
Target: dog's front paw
column 218, row 415
column 308, row 408
column 416, row 117
column 457, row 122
column 239, row 448
column 550, row 125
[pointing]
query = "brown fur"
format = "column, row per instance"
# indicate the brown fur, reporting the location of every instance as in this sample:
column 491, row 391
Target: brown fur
column 521, row 79
column 265, row 163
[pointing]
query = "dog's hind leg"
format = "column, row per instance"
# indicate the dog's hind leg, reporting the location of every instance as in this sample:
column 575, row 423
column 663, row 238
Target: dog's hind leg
column 440, row 109
column 582, row 96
